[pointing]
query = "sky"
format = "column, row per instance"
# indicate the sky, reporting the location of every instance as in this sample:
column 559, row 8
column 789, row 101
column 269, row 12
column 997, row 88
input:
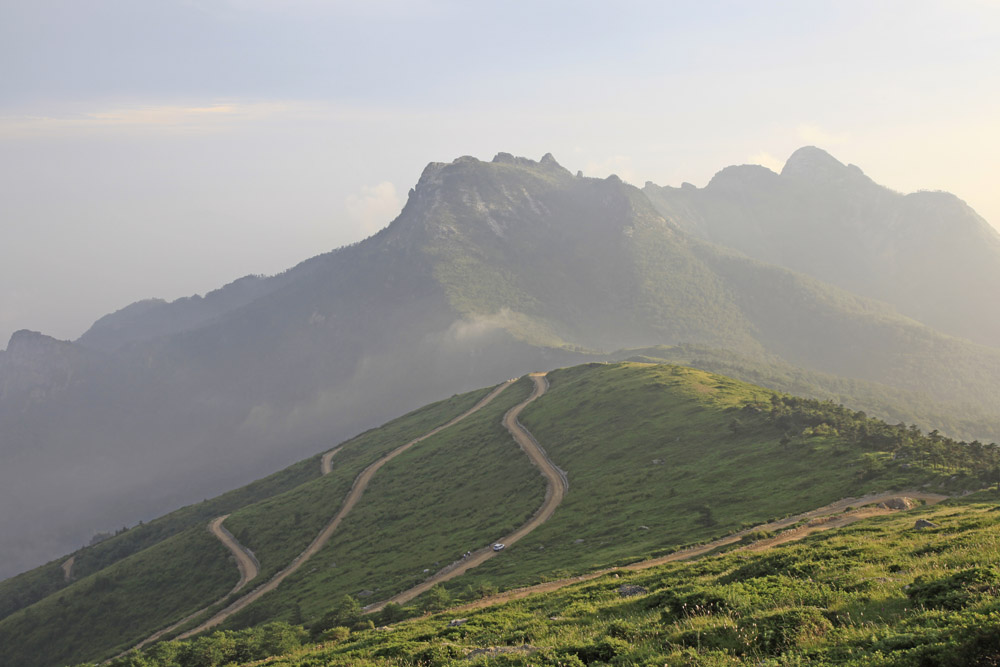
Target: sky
column 164, row 148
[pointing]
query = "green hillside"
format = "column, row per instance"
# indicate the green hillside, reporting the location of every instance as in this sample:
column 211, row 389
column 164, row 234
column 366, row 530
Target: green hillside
column 657, row 457
column 879, row 592
column 113, row 606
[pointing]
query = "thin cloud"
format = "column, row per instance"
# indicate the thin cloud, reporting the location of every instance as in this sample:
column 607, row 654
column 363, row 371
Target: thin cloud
column 213, row 116
column 765, row 159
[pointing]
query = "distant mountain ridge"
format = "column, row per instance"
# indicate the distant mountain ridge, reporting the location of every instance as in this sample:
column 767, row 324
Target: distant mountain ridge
column 492, row 269
column 926, row 253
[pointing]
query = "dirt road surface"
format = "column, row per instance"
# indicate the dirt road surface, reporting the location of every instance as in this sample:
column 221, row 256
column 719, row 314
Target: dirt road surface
column 67, row 567
column 555, row 490
column 357, row 489
column 326, row 462
column 823, row 518
column 245, row 560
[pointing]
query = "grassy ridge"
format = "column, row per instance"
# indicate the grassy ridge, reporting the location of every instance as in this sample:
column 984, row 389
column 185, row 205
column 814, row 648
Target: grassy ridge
column 458, row 490
column 660, row 456
column 107, row 612
column 958, row 420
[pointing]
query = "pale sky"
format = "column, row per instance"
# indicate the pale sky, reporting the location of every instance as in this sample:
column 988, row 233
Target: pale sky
column 165, row 147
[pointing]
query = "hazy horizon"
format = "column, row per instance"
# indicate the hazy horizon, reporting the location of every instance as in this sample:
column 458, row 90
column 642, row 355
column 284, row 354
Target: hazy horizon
column 163, row 150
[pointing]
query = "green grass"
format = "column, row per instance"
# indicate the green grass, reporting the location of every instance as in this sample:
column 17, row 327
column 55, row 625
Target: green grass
column 878, row 592
column 654, row 463
column 957, row 420
column 459, row 490
column 104, row 613
column 279, row 528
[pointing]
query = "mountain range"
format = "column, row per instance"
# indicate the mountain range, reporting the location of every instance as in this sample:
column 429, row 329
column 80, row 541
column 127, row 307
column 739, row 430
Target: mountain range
column 494, row 269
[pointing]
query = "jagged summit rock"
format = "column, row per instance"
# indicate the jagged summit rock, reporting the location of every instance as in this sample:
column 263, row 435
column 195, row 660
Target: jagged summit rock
column 813, row 165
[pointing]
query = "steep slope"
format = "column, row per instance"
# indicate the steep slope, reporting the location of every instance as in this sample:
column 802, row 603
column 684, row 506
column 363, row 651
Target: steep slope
column 492, row 269
column 644, row 447
column 927, row 253
column 149, row 577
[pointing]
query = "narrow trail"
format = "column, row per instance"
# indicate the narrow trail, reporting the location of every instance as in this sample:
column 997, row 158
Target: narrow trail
column 555, row 490
column 67, row 567
column 357, row 489
column 834, row 515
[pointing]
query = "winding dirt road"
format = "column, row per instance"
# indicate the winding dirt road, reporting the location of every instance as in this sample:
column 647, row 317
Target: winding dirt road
column 246, row 562
column 555, row 490
column 67, row 567
column 834, row 515
column 357, row 489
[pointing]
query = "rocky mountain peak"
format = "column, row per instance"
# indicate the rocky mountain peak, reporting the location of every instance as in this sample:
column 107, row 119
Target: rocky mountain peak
column 810, row 160
column 28, row 343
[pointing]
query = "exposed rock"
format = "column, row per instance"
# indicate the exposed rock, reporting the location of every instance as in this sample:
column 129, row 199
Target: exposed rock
column 627, row 590
column 898, row 503
column 366, row 593
column 456, row 622
column 924, row 523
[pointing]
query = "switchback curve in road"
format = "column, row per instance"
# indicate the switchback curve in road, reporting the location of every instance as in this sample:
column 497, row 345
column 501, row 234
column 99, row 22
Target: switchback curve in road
column 326, row 461
column 357, row 489
column 555, row 491
column 246, row 562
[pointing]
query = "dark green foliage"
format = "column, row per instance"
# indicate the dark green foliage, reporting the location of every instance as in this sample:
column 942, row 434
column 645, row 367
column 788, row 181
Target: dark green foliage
column 219, row 648
column 955, row 591
column 346, row 612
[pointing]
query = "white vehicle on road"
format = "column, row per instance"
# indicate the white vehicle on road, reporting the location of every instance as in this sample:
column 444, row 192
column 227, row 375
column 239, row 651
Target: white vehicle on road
column 498, row 546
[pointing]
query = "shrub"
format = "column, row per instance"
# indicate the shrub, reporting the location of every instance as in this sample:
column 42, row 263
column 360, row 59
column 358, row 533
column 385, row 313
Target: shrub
column 954, row 591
